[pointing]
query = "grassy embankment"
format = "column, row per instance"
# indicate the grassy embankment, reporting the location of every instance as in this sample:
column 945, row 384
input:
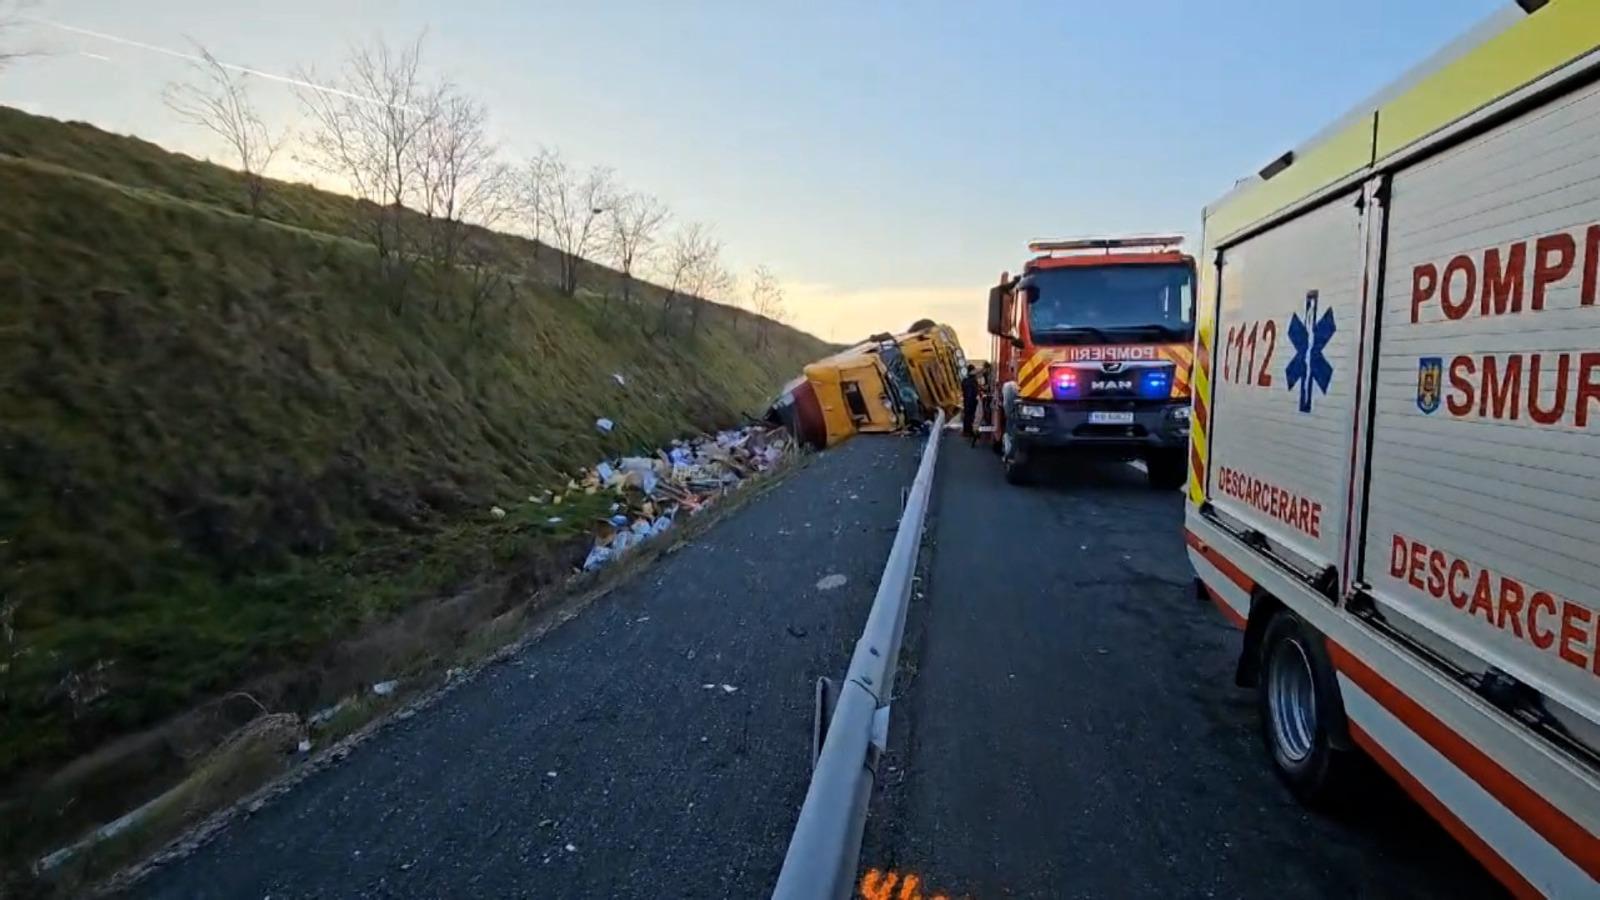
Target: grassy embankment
column 223, row 451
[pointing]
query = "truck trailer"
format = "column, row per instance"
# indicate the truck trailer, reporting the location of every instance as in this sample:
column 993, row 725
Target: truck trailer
column 1394, row 470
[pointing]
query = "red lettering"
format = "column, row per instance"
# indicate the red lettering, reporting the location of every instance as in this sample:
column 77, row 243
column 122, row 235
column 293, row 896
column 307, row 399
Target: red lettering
column 1574, row 633
column 1481, row 602
column 1316, row 520
column 1553, row 261
column 1461, row 368
column 1510, row 606
column 1499, row 391
column 1424, row 281
column 1541, row 414
column 1397, row 557
column 1272, row 507
column 1305, row 514
column 1463, row 265
column 1591, row 256
column 1543, row 638
column 1502, row 285
column 1436, row 574
column 1418, row 553
column 1458, row 598
column 1588, row 387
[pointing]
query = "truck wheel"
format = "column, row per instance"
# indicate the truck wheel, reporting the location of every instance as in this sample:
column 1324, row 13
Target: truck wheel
column 1015, row 460
column 1302, row 715
column 1166, row 471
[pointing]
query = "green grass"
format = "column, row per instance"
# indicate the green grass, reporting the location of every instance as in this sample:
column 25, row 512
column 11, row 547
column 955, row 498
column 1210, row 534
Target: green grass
column 221, row 448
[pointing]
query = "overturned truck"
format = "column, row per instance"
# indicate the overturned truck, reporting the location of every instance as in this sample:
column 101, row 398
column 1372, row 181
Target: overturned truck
column 883, row 384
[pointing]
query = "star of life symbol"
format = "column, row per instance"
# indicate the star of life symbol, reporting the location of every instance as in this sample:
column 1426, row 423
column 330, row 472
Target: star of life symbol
column 1310, row 367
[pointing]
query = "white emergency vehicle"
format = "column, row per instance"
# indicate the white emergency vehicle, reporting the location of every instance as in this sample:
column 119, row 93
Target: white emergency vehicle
column 1394, row 481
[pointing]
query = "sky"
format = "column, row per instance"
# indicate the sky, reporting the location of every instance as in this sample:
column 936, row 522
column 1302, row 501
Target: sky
column 886, row 159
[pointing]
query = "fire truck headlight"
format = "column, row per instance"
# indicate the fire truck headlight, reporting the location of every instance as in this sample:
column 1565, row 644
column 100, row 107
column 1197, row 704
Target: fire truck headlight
column 1180, row 413
column 1030, row 411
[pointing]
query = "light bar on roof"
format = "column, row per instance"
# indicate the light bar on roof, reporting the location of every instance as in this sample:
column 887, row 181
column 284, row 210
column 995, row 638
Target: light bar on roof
column 1107, row 243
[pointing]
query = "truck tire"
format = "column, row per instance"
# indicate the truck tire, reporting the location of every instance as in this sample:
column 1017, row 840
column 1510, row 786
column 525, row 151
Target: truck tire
column 1166, row 471
column 1302, row 715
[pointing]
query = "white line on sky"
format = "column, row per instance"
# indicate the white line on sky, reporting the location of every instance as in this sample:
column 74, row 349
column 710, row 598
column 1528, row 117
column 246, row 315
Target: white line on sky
column 153, row 48
column 94, row 56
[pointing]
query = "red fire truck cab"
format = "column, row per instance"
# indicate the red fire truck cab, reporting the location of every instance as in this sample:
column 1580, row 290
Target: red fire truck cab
column 1093, row 345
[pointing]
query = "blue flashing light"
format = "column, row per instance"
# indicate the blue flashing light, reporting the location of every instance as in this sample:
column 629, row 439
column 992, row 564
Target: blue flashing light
column 1156, row 383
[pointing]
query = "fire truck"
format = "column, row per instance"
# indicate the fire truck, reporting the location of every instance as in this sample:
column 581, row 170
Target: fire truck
column 1092, row 349
column 1395, row 484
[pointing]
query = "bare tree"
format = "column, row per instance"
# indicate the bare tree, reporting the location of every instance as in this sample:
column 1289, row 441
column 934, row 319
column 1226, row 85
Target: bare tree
column 459, row 180
column 683, row 264
column 766, row 301
column 634, row 222
column 706, row 278
column 534, row 192
column 366, row 130
column 574, row 206
column 217, row 99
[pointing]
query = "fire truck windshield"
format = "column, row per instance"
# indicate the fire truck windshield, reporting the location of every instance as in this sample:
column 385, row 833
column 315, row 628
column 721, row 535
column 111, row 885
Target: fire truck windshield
column 1096, row 303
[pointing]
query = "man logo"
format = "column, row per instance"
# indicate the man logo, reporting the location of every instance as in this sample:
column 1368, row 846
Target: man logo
column 1430, row 369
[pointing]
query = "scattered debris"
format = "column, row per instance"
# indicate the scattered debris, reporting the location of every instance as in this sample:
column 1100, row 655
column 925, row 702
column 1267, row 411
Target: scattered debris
column 682, row 479
column 385, row 688
column 795, row 632
column 571, row 848
column 830, row 582
column 553, row 520
column 605, row 425
column 497, row 512
column 729, row 689
column 304, row 746
column 617, row 377
column 325, row 715
column 550, row 774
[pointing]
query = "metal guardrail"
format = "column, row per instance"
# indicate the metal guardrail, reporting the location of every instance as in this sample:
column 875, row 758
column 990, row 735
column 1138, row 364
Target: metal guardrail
column 825, row 850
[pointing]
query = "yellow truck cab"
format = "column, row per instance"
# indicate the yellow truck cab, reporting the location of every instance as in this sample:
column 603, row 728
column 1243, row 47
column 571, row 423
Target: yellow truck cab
column 854, row 393
column 933, row 354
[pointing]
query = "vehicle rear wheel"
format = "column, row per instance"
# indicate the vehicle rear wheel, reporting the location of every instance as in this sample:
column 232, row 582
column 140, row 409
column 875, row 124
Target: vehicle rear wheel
column 1167, row 470
column 1302, row 715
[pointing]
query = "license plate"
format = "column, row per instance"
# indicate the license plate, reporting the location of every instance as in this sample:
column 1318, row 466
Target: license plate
column 1111, row 418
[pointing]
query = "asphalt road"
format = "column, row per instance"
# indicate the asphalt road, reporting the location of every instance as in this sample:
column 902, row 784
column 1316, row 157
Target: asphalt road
column 596, row 763
column 1068, row 724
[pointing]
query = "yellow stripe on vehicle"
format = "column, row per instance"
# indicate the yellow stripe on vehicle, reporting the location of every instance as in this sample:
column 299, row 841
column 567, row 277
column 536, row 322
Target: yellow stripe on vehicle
column 1200, row 383
column 1555, row 35
column 1038, row 382
column 1030, row 367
